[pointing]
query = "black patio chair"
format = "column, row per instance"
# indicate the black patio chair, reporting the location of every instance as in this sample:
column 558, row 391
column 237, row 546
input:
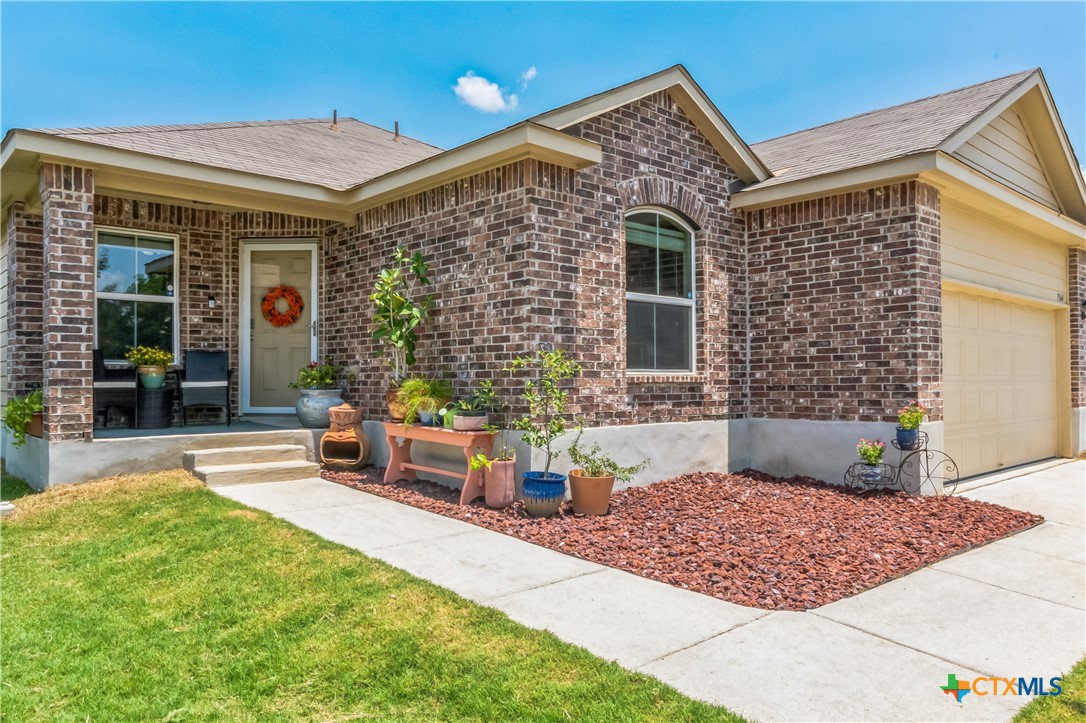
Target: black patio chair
column 113, row 389
column 205, row 382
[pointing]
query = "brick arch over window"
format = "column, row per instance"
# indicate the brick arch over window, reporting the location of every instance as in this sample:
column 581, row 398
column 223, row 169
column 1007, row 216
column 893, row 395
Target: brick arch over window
column 656, row 191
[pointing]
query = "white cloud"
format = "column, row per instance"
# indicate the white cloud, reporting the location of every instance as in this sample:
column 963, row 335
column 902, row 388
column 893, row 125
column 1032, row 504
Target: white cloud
column 482, row 95
column 527, row 77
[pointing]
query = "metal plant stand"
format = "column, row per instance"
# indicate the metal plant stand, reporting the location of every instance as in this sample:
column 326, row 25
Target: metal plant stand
column 918, row 470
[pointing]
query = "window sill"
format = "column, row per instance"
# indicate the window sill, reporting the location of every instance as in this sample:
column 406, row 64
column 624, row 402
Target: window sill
column 665, row 378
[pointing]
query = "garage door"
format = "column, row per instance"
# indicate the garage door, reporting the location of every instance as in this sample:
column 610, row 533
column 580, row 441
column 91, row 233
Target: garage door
column 999, row 382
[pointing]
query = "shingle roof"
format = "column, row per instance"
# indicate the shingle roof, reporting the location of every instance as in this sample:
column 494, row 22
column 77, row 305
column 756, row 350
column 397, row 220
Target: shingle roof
column 879, row 135
column 307, row 150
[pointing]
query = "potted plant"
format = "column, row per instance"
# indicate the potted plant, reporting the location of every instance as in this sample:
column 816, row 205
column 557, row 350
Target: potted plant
column 544, row 423
column 499, row 476
column 909, row 419
column 591, row 483
column 319, row 384
column 421, row 398
column 150, row 363
column 870, row 451
column 397, row 315
column 471, row 413
column 23, row 416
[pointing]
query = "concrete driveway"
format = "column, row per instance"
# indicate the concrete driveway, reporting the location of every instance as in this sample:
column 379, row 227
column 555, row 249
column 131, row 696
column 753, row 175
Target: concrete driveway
column 1013, row 608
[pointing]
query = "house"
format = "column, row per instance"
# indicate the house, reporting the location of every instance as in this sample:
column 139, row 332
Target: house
column 733, row 305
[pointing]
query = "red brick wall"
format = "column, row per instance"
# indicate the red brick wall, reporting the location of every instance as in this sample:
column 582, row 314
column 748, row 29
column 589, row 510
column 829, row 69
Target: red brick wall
column 24, row 302
column 845, row 305
column 1076, row 297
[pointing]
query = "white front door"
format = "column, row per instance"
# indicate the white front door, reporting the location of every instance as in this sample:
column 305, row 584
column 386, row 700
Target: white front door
column 272, row 354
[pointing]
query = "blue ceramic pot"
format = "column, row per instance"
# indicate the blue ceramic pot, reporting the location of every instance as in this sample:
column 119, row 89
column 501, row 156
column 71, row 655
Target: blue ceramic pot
column 908, row 438
column 152, row 377
column 312, row 407
column 543, row 493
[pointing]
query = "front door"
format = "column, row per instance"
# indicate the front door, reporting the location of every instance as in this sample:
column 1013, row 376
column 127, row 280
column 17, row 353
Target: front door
column 280, row 345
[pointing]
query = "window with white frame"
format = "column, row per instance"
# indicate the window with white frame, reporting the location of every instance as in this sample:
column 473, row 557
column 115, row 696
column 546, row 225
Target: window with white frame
column 135, row 300
column 659, row 293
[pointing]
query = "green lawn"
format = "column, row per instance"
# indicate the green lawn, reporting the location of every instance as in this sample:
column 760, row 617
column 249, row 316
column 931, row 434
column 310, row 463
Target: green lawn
column 151, row 598
column 1069, row 705
column 12, row 488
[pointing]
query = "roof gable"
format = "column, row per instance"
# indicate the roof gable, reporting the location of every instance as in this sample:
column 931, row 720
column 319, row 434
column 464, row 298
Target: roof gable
column 688, row 95
column 1020, row 142
column 879, row 135
column 1003, row 150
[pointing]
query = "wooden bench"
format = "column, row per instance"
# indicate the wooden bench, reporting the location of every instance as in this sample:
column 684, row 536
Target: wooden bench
column 400, row 466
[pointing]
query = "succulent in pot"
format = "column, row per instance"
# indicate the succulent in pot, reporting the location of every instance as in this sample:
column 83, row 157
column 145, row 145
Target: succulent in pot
column 471, row 413
column 318, row 383
column 593, row 480
column 150, row 363
column 548, row 372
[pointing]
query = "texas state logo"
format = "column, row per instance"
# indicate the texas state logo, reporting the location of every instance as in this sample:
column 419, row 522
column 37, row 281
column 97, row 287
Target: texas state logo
column 981, row 687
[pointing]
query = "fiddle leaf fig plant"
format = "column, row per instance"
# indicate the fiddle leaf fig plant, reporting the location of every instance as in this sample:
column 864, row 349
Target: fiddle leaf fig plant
column 397, row 312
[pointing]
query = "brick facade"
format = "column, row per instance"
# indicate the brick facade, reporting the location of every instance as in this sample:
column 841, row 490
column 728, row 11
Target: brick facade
column 845, row 305
column 824, row 310
column 23, row 308
column 1076, row 299
column 68, row 273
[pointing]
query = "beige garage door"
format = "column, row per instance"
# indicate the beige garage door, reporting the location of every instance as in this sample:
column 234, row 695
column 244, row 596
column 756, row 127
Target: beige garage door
column 999, row 382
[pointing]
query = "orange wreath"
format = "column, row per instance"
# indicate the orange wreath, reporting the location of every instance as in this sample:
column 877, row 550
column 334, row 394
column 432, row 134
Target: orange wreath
column 295, row 304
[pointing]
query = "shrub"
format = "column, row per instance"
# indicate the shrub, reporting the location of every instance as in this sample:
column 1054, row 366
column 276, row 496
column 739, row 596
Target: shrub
column 17, row 414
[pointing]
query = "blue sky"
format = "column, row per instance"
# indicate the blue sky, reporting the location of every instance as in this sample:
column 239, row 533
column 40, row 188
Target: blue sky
column 772, row 68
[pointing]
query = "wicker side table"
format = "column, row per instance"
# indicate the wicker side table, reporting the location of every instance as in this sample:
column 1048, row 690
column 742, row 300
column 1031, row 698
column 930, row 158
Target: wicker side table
column 154, row 408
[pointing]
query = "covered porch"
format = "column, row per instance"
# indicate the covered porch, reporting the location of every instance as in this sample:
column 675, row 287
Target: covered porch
column 94, row 270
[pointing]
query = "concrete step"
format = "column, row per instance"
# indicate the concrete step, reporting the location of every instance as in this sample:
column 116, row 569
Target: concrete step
column 220, row 475
column 255, row 454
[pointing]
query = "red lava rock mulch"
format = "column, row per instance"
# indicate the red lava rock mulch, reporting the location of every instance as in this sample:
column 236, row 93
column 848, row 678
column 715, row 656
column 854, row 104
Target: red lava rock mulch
column 748, row 538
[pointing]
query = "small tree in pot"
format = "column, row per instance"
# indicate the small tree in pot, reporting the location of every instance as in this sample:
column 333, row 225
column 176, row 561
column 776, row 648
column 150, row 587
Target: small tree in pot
column 591, row 483
column 544, row 423
column 397, row 315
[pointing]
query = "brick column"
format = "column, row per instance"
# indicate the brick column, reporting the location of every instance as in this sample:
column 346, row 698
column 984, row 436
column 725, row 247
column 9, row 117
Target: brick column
column 926, row 299
column 1076, row 297
column 23, row 310
column 67, row 197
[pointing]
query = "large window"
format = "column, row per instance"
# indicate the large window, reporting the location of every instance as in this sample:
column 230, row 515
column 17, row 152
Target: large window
column 136, row 303
column 659, row 294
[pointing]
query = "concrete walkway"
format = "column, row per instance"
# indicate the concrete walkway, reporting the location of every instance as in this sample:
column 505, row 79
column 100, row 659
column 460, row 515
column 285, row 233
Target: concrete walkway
column 1013, row 608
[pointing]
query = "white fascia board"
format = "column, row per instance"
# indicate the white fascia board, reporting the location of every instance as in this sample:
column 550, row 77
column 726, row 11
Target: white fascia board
column 519, row 142
column 833, row 183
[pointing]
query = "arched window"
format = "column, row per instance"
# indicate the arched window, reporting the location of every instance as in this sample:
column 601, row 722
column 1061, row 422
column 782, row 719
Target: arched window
column 659, row 293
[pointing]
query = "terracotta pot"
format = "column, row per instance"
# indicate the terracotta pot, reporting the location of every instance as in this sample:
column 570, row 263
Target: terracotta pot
column 395, row 410
column 36, row 427
column 499, row 483
column 465, row 423
column 591, row 495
